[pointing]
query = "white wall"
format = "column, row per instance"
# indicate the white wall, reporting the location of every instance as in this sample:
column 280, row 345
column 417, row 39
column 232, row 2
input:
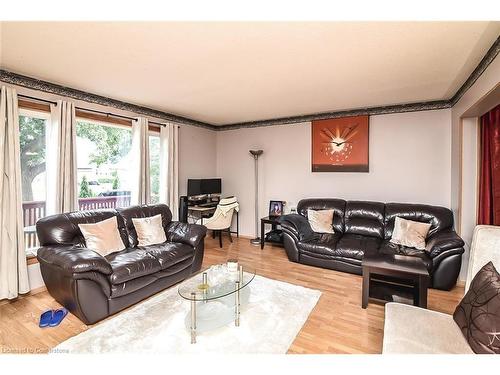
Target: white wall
column 409, row 162
column 35, row 276
column 469, row 199
column 197, row 156
column 488, row 80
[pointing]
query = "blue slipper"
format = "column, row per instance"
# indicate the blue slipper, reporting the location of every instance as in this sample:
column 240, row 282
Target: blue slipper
column 58, row 317
column 45, row 318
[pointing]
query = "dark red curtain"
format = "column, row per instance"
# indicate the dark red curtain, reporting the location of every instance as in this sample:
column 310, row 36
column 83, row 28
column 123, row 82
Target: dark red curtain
column 489, row 178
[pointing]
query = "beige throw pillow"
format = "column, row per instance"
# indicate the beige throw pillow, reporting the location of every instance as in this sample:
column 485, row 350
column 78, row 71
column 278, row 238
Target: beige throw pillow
column 410, row 233
column 149, row 230
column 103, row 237
column 321, row 221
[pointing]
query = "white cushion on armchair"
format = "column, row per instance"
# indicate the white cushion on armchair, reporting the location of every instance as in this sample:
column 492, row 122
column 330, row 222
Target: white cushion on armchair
column 413, row 330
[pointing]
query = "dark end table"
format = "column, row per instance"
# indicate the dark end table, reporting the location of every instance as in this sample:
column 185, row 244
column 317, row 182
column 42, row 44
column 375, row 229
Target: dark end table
column 274, row 221
column 389, row 274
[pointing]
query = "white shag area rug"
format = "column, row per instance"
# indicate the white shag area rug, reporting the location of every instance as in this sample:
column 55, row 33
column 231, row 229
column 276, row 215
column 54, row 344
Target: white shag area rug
column 270, row 321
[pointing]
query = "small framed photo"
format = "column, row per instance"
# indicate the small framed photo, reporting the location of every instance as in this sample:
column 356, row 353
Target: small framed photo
column 275, row 208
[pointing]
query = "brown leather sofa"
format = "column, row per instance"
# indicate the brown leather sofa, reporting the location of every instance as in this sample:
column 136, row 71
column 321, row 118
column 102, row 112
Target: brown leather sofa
column 362, row 227
column 93, row 287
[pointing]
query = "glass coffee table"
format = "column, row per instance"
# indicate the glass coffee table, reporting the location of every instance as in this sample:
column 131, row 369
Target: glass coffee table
column 216, row 295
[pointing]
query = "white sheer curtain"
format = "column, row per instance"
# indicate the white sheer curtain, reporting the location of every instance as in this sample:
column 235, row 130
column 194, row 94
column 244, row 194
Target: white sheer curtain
column 62, row 195
column 13, row 268
column 141, row 191
column 169, row 167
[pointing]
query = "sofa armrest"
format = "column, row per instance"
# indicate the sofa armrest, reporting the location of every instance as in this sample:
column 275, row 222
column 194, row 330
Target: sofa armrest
column 188, row 234
column 443, row 241
column 74, row 259
column 298, row 225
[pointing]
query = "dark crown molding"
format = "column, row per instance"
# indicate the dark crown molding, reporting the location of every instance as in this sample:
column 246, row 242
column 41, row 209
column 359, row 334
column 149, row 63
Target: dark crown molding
column 397, row 108
column 32, row 83
column 52, row 88
column 476, row 73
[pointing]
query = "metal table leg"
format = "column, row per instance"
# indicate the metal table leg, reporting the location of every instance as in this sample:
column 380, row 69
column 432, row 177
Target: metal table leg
column 237, row 304
column 193, row 318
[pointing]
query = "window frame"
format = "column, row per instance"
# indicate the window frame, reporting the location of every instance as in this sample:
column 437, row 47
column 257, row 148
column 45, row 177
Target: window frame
column 27, row 112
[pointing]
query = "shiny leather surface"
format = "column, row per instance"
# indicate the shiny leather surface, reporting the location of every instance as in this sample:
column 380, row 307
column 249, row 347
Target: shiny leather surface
column 189, row 234
column 91, row 286
column 365, row 218
column 442, row 241
column 63, row 229
column 445, row 273
column 298, row 226
column 120, row 303
column 74, row 259
column 356, row 245
column 143, row 211
column 130, row 264
column 337, row 264
column 169, row 253
column 390, row 248
column 365, row 228
column 324, row 243
column 440, row 218
column 119, row 290
column 337, row 205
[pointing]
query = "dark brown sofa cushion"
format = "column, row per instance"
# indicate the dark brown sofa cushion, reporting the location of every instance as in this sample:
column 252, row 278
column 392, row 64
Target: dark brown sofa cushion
column 478, row 314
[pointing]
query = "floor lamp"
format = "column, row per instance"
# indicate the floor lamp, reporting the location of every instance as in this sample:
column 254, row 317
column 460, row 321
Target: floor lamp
column 256, row 154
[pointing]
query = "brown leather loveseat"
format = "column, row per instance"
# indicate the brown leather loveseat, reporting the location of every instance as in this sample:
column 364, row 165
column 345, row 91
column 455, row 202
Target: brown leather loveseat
column 93, row 287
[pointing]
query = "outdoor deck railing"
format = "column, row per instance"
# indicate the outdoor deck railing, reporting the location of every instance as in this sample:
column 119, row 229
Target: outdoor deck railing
column 34, row 210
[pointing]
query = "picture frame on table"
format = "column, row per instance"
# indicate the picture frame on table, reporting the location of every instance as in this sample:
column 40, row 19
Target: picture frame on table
column 276, row 208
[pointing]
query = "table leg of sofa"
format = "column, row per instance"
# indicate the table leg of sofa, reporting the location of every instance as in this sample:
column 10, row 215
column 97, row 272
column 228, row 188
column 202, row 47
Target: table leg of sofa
column 423, row 284
column 366, row 287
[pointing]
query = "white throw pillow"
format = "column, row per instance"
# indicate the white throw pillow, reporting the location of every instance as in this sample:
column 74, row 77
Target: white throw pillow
column 321, row 221
column 103, row 237
column 149, row 230
column 410, row 233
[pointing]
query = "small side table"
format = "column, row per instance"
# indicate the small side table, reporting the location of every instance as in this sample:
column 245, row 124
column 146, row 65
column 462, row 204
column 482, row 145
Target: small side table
column 389, row 274
column 274, row 221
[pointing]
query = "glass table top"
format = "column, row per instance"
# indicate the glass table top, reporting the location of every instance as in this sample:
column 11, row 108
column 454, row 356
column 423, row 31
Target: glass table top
column 220, row 283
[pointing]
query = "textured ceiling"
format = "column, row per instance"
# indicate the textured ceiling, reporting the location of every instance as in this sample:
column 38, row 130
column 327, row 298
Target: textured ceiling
column 223, row 73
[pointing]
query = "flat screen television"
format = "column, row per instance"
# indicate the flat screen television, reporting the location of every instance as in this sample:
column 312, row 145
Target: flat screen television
column 202, row 186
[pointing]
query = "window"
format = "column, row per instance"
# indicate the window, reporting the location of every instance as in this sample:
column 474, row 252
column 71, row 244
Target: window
column 33, row 144
column 105, row 178
column 154, row 166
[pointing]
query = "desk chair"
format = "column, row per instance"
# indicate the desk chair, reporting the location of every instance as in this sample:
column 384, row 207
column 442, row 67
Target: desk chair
column 222, row 218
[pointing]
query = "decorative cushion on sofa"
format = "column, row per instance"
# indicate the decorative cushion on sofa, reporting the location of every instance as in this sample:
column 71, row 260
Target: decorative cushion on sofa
column 321, row 221
column 149, row 230
column 478, row 314
column 103, row 237
column 410, row 233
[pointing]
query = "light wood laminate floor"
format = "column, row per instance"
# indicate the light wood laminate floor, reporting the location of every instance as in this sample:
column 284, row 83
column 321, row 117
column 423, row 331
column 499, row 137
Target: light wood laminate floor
column 337, row 324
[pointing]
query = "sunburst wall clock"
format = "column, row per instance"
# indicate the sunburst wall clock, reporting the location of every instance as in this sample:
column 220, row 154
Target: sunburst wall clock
column 340, row 145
